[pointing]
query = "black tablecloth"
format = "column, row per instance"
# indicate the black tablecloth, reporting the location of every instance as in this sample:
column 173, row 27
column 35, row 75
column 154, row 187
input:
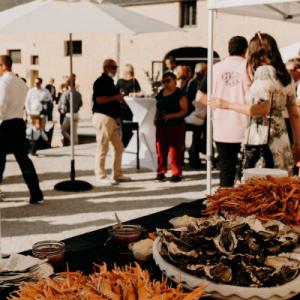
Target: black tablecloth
column 93, row 247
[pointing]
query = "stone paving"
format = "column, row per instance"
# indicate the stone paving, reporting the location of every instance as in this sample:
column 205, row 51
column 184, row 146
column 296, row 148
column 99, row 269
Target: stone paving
column 66, row 214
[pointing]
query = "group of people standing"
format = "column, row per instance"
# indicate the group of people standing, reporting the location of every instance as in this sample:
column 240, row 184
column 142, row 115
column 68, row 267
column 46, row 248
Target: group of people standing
column 255, row 109
column 253, row 98
column 39, row 105
column 254, row 103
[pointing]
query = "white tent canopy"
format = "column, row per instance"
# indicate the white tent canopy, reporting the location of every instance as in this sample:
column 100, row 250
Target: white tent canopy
column 284, row 10
column 80, row 16
column 290, row 51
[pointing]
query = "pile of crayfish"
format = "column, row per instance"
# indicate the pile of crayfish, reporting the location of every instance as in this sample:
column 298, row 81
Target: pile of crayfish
column 269, row 198
column 129, row 283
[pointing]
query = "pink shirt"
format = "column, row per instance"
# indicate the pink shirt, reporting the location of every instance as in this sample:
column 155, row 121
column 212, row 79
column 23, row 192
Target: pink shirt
column 231, row 83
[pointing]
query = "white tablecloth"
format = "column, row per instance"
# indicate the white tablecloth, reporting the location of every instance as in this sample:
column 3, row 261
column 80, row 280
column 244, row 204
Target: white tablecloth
column 143, row 109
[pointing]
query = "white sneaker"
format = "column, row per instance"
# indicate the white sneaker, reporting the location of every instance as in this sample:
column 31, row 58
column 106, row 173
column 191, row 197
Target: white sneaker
column 122, row 178
column 105, row 181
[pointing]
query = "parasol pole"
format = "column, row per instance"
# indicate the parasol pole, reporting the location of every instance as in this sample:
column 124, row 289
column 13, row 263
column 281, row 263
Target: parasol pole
column 72, row 108
column 72, row 185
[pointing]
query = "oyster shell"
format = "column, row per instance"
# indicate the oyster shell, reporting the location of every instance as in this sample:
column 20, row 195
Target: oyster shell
column 235, row 251
column 226, row 242
column 219, row 272
column 284, row 268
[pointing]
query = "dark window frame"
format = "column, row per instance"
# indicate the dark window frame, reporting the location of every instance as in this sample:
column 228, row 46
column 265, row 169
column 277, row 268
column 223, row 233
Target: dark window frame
column 188, row 13
column 13, row 57
column 35, row 60
column 77, row 47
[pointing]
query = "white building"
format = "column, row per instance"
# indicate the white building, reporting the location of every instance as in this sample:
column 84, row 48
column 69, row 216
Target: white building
column 46, row 55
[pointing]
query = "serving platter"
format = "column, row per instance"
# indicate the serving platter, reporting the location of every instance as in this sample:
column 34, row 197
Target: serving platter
column 223, row 291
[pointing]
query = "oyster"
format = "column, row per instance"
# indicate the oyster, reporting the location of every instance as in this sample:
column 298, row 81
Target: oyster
column 174, row 250
column 226, row 242
column 233, row 251
column 285, row 269
column 196, row 269
column 183, row 221
column 219, row 272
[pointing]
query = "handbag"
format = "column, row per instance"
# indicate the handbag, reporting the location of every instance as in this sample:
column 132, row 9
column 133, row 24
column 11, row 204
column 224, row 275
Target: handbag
column 260, row 155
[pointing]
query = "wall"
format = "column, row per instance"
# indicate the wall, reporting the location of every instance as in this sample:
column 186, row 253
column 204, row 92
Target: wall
column 140, row 50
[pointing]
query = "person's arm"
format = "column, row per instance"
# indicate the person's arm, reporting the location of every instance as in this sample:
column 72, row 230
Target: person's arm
column 260, row 109
column 27, row 102
column 108, row 99
column 183, row 103
column 3, row 99
column 201, row 98
column 295, row 124
column 137, row 86
column 80, row 101
column 48, row 96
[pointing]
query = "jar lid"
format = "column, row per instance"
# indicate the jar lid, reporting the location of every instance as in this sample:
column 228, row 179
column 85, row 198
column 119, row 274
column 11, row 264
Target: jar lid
column 48, row 247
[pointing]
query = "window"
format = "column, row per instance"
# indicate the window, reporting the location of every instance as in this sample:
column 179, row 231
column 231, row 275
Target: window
column 77, row 47
column 34, row 59
column 15, row 55
column 188, row 13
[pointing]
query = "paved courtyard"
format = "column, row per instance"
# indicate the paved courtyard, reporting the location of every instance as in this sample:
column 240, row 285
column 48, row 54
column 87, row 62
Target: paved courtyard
column 66, row 214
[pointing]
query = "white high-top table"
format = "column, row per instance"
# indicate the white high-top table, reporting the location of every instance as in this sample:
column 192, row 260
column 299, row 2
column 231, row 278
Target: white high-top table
column 143, row 109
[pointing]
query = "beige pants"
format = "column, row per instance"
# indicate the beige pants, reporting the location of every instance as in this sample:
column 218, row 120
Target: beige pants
column 107, row 130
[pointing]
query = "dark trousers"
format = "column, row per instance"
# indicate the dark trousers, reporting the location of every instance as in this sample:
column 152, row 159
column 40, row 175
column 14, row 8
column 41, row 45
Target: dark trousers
column 12, row 140
column 198, row 144
column 170, row 139
column 228, row 159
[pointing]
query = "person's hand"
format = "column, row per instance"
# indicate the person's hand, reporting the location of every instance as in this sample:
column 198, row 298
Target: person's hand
column 218, row 103
column 167, row 117
column 119, row 97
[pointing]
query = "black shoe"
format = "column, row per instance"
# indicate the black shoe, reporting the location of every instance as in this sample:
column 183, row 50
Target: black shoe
column 36, row 198
column 160, row 177
column 175, row 178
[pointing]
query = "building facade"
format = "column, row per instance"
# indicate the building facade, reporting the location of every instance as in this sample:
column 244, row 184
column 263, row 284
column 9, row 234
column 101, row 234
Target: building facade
column 47, row 56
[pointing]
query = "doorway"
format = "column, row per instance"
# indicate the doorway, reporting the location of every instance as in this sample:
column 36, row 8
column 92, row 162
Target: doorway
column 34, row 74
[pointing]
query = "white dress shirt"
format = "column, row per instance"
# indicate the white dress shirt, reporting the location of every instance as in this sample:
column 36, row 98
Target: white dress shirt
column 13, row 92
column 34, row 99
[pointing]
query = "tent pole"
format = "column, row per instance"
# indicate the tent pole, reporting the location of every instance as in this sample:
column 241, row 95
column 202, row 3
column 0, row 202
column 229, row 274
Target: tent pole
column 209, row 91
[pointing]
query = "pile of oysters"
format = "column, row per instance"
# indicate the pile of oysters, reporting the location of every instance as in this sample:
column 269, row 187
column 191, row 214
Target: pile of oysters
column 237, row 251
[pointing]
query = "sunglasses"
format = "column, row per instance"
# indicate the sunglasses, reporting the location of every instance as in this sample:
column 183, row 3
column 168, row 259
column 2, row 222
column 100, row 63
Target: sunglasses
column 166, row 81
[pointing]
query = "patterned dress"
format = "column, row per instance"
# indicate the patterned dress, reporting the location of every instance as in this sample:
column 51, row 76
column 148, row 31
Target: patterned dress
column 267, row 88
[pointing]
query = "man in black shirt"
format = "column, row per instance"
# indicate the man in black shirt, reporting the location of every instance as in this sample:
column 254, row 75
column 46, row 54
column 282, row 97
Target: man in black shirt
column 106, row 120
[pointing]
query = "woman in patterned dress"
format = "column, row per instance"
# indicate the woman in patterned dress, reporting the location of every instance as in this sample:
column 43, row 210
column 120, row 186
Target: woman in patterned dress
column 272, row 93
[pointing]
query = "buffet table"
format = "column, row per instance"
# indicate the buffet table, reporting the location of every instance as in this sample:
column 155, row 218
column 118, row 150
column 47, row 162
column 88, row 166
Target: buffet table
column 95, row 247
column 143, row 109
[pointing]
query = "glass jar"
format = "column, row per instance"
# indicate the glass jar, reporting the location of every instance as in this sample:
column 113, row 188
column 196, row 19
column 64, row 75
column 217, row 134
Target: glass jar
column 54, row 251
column 126, row 233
